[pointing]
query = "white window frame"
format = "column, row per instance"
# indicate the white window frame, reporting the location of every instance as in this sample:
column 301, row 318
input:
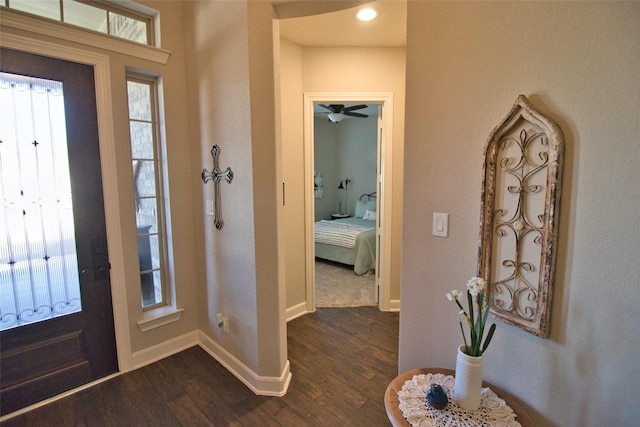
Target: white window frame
column 167, row 312
column 158, row 199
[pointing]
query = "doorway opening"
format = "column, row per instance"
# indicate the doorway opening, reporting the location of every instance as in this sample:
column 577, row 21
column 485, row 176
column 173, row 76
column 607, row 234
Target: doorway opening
column 345, row 198
column 379, row 195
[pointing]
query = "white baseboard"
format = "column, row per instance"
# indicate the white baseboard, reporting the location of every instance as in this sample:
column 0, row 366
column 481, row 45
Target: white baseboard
column 296, row 311
column 260, row 385
column 165, row 349
column 394, row 305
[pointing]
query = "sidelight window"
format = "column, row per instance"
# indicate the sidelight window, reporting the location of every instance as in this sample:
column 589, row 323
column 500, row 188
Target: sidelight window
column 148, row 190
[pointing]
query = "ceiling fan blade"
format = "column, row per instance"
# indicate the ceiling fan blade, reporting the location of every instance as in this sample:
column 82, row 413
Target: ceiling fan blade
column 354, row 107
column 349, row 113
column 328, row 107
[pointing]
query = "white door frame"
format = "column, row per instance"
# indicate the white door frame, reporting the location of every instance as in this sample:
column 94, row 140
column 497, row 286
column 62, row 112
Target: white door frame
column 385, row 131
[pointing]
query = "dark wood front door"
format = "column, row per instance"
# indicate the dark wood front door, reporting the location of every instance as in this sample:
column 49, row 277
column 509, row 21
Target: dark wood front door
column 44, row 356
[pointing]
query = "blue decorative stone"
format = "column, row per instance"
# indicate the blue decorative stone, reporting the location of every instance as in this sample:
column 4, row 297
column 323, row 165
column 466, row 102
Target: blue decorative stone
column 437, row 397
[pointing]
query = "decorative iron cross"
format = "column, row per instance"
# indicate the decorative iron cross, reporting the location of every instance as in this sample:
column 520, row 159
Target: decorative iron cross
column 216, row 175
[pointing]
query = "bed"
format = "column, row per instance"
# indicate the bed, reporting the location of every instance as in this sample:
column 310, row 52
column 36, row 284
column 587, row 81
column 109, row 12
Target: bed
column 352, row 240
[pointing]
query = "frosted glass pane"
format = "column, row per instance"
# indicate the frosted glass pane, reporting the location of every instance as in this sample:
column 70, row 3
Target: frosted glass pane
column 146, row 214
column 85, row 16
column 128, row 28
column 139, row 101
column 145, row 179
column 46, row 8
column 141, row 140
column 38, row 263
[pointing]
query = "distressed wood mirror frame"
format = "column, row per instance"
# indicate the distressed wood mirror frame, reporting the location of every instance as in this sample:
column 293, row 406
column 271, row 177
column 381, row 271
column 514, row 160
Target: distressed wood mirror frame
column 519, row 216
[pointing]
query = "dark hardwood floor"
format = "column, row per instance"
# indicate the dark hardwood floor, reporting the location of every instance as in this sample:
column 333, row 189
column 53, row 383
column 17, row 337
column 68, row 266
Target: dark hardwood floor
column 342, row 360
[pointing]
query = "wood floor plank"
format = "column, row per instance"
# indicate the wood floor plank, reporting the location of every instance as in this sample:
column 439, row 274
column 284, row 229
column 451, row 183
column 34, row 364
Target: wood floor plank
column 184, row 408
column 342, row 360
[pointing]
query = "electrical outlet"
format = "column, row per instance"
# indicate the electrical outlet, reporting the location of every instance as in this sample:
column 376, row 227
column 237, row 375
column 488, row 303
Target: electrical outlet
column 223, row 322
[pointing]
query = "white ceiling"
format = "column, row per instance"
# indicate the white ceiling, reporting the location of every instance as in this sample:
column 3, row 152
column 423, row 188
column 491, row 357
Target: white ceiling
column 341, row 28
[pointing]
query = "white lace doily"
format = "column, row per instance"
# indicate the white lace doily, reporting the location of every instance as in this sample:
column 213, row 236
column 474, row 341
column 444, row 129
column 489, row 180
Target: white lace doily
column 493, row 411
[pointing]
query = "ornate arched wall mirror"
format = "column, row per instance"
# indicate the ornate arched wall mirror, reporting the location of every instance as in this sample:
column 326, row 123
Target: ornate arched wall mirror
column 519, row 216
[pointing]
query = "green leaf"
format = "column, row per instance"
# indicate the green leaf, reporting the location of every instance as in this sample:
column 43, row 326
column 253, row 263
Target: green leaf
column 469, row 299
column 479, row 324
column 492, row 329
column 464, row 338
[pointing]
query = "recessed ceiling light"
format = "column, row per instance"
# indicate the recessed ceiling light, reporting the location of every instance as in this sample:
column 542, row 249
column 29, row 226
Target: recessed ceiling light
column 366, row 14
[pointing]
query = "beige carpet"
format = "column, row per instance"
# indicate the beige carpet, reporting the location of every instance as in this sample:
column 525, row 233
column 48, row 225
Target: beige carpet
column 338, row 286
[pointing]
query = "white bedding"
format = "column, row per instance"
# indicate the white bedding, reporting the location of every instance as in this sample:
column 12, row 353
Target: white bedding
column 362, row 255
column 338, row 233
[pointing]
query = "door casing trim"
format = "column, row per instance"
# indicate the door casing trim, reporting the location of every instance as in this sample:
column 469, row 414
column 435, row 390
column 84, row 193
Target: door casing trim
column 385, row 99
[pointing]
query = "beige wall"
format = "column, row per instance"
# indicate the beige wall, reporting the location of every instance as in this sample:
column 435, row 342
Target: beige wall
column 577, row 62
column 292, row 171
column 231, row 89
column 325, row 149
column 361, row 70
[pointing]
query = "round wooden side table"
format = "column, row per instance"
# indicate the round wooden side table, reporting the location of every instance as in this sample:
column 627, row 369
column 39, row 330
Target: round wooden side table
column 398, row 420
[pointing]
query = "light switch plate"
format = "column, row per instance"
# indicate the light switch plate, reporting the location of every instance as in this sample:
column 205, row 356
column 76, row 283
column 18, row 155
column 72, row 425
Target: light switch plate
column 441, row 224
column 210, row 207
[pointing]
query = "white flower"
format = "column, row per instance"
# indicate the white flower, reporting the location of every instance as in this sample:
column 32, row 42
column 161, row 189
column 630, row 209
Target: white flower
column 476, row 285
column 474, row 318
column 453, row 295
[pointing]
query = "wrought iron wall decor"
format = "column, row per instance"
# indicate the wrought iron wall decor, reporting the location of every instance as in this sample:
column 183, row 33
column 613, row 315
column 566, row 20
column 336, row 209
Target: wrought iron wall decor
column 216, row 175
column 519, row 216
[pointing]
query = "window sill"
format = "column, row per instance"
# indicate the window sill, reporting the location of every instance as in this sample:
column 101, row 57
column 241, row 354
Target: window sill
column 60, row 30
column 157, row 317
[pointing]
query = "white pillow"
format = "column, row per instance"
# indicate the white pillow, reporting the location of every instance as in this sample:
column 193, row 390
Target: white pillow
column 361, row 208
column 369, row 215
column 371, row 205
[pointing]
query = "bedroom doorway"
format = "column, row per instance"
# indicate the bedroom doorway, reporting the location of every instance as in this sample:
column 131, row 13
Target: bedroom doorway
column 346, row 194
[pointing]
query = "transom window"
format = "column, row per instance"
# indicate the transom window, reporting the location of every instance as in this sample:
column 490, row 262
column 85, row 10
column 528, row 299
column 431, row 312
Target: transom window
column 102, row 17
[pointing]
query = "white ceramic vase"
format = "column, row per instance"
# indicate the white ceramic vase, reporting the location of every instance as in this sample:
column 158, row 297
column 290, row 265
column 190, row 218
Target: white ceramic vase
column 467, row 389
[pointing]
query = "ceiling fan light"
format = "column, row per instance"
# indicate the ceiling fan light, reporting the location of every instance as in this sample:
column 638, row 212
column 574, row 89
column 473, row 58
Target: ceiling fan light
column 336, row 117
column 367, row 14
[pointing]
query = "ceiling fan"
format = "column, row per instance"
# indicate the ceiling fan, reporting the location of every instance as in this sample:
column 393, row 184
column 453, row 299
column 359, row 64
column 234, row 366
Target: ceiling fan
column 338, row 111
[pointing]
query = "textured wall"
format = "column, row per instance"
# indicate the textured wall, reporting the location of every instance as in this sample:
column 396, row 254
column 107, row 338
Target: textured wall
column 577, row 62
